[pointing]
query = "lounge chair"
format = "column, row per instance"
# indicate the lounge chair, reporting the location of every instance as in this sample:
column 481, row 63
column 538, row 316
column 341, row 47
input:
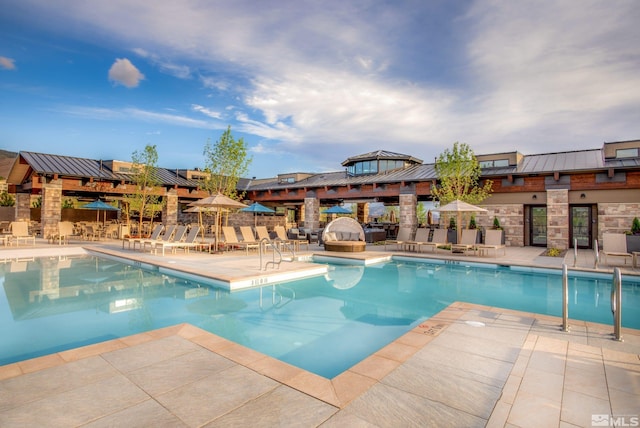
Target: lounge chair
column 422, row 237
column 247, row 234
column 404, row 235
column 178, row 237
column 189, row 241
column 615, row 245
column 281, row 234
column 492, row 241
column 262, row 233
column 344, row 234
column 155, row 235
column 467, row 242
column 167, row 236
column 20, row 233
column 231, row 240
column 438, row 239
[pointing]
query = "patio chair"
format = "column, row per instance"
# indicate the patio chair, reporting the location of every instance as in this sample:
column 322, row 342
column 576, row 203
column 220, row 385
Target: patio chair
column 231, row 240
column 20, row 233
column 178, row 237
column 155, row 235
column 492, row 241
column 65, row 231
column 438, row 239
column 467, row 242
column 404, row 235
column 615, row 245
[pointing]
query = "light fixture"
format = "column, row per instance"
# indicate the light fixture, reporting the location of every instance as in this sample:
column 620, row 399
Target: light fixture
column 582, row 196
column 534, row 197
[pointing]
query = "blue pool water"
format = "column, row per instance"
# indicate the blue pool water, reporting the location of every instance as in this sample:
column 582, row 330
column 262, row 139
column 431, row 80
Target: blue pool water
column 324, row 324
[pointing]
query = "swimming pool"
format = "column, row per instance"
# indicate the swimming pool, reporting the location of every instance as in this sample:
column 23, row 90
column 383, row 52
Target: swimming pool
column 323, row 324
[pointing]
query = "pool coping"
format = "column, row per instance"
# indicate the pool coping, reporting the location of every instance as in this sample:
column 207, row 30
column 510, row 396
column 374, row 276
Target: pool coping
column 338, row 391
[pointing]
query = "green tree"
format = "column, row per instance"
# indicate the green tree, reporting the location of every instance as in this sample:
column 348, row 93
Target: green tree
column 225, row 161
column 458, row 171
column 145, row 202
column 6, row 200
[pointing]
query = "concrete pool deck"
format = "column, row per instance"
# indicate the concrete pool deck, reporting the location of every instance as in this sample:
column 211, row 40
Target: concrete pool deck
column 469, row 365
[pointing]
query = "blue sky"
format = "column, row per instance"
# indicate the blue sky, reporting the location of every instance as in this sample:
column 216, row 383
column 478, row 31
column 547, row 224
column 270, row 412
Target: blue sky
column 308, row 84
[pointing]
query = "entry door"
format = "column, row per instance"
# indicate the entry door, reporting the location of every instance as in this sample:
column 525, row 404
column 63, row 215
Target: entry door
column 538, row 226
column 581, row 226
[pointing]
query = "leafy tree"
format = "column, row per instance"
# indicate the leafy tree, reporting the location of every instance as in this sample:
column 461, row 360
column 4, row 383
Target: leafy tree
column 225, row 161
column 145, row 201
column 68, row 203
column 6, row 200
column 421, row 213
column 459, row 173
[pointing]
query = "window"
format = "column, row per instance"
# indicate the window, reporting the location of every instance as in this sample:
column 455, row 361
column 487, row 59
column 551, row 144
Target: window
column 496, row 163
column 627, row 153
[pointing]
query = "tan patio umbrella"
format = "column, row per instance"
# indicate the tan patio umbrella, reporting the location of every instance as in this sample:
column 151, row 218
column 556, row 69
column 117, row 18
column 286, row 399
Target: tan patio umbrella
column 217, row 202
column 459, row 207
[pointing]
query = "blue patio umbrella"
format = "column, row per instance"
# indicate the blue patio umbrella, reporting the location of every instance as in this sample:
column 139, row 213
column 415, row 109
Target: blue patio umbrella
column 98, row 205
column 257, row 208
column 337, row 209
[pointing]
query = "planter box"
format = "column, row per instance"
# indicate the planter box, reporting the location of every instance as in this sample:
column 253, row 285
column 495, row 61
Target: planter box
column 633, row 243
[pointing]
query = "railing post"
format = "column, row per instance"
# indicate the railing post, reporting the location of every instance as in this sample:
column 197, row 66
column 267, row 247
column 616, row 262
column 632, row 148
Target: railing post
column 565, row 298
column 596, row 253
column 575, row 252
column 616, row 304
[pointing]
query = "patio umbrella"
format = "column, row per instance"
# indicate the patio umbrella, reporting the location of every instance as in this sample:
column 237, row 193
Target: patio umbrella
column 98, row 205
column 337, row 209
column 199, row 210
column 217, row 202
column 460, row 207
column 257, row 208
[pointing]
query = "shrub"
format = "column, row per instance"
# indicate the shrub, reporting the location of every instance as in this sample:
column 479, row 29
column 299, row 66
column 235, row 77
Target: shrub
column 635, row 226
column 496, row 223
column 6, row 200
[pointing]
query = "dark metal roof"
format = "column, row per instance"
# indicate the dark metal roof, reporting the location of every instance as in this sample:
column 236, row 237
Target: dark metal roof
column 380, row 154
column 574, row 161
column 68, row 166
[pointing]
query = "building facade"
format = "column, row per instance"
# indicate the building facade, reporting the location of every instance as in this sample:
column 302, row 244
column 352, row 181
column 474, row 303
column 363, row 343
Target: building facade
column 553, row 200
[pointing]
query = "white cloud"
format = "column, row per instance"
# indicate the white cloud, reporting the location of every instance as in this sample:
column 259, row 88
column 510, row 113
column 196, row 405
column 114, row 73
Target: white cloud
column 125, row 73
column 206, row 111
column 167, row 67
column 7, row 63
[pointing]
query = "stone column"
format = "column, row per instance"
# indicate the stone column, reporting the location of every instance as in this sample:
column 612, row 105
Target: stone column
column 51, row 209
column 170, row 208
column 311, row 213
column 363, row 212
column 23, row 207
column 558, row 218
column 408, row 211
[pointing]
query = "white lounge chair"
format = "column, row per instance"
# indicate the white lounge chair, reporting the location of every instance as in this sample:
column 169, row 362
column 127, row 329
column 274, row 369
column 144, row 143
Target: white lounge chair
column 231, row 240
column 492, row 241
column 615, row 245
column 189, row 241
column 421, row 237
column 178, row 237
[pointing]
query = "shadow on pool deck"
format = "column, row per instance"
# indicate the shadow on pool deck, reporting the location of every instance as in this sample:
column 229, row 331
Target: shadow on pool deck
column 467, row 366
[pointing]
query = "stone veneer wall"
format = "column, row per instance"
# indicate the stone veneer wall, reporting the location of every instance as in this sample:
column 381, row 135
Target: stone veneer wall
column 616, row 217
column 311, row 213
column 170, row 208
column 23, row 207
column 558, row 218
column 408, row 207
column 511, row 218
column 51, row 210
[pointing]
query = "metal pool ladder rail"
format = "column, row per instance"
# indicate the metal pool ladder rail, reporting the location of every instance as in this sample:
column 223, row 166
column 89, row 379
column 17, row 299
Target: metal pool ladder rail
column 265, row 242
column 616, row 304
